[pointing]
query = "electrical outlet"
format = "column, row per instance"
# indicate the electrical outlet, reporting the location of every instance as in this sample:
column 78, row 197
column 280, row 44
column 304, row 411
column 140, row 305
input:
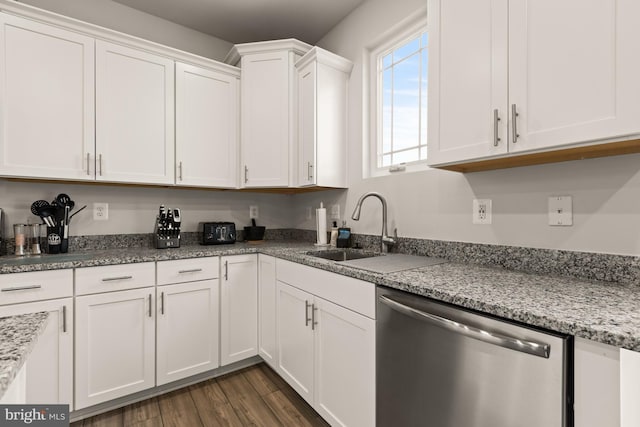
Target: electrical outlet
column 335, row 212
column 482, row 211
column 253, row 212
column 100, row 211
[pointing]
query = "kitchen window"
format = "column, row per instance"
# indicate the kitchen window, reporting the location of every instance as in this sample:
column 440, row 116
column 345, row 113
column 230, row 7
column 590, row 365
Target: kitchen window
column 398, row 105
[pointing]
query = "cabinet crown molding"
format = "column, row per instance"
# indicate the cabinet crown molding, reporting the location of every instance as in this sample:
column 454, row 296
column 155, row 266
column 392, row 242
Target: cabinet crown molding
column 327, row 58
column 50, row 18
column 294, row 45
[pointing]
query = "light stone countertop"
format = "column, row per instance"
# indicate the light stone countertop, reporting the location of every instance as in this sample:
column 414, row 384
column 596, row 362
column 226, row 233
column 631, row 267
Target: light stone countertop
column 605, row 312
column 18, row 337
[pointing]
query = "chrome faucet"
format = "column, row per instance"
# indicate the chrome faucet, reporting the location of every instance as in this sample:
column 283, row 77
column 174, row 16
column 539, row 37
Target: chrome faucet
column 385, row 240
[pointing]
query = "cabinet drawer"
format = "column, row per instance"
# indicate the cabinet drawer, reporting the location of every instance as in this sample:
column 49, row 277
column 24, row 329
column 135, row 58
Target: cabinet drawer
column 188, row 270
column 35, row 286
column 354, row 294
column 92, row 280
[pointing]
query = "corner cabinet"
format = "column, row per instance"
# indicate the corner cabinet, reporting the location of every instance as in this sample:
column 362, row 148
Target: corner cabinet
column 46, row 100
column 268, row 111
column 238, row 308
column 514, row 76
column 322, row 118
column 134, row 115
column 207, row 126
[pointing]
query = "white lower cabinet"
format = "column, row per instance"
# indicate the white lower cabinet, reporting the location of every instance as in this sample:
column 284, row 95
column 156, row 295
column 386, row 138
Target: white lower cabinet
column 267, row 344
column 629, row 388
column 326, row 352
column 49, row 378
column 115, row 345
column 238, row 308
column 187, row 322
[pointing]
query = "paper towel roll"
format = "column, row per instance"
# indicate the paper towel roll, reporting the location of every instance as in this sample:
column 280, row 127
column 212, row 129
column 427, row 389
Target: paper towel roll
column 321, row 225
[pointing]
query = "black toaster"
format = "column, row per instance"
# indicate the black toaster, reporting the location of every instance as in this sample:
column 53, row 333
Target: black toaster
column 218, row 233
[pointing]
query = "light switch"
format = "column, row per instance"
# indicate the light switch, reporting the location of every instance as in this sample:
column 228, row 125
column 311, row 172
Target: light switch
column 560, row 210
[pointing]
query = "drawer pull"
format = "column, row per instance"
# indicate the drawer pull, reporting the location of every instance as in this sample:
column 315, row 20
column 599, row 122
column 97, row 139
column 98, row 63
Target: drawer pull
column 64, row 318
column 193, row 270
column 162, row 303
column 111, row 279
column 226, row 270
column 21, row 288
column 150, row 315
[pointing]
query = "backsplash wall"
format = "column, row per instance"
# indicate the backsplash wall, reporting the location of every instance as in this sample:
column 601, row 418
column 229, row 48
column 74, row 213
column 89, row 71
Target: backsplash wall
column 133, row 210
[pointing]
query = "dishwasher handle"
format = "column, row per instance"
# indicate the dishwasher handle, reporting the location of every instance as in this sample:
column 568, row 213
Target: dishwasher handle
column 512, row 343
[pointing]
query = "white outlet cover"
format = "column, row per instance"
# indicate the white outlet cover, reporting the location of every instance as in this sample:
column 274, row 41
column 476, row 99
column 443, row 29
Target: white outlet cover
column 100, row 211
column 482, row 211
column 560, row 211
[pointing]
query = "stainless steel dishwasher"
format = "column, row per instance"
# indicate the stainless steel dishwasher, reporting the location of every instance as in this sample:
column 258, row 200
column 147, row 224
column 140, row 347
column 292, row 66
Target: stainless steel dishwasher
column 442, row 366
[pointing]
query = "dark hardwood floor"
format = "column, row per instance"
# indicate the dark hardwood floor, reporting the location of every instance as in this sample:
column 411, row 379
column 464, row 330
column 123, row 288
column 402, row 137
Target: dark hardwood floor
column 254, row 396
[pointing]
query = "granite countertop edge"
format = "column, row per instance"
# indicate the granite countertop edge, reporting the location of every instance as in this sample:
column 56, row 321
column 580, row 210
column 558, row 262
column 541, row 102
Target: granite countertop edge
column 600, row 311
column 18, row 336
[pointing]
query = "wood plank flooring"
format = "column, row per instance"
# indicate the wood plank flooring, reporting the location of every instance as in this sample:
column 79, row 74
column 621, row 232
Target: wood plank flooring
column 254, row 396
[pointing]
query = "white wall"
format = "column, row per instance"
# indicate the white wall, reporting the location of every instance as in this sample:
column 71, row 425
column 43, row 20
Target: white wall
column 437, row 204
column 133, row 209
column 116, row 16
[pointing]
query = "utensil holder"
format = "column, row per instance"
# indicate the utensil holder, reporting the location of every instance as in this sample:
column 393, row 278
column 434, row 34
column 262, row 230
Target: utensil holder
column 56, row 242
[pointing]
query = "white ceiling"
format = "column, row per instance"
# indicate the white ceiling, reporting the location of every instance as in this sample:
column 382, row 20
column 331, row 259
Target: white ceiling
column 242, row 21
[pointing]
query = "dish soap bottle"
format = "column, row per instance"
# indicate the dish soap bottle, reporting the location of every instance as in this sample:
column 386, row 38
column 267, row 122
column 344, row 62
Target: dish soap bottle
column 334, row 235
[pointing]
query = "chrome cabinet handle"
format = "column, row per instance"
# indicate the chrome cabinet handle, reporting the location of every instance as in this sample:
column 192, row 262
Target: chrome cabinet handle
column 313, row 316
column 309, row 171
column 307, row 319
column 514, row 125
column 193, row 270
column 20, row 288
column 226, row 270
column 64, row 318
column 180, row 169
column 512, row 343
column 161, row 302
column 88, row 159
column 150, row 305
column 100, row 163
column 496, row 119
column 246, row 174
column 111, row 279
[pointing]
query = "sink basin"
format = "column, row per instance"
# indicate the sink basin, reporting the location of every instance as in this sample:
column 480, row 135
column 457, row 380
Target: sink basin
column 342, row 254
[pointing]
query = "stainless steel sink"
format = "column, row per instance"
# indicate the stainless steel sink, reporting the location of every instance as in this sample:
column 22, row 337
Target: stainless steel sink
column 342, row 254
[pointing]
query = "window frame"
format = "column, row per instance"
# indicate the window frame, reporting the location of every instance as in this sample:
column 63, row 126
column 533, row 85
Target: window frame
column 394, row 38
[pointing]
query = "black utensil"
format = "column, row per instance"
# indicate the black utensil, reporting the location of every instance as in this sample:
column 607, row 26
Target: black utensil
column 76, row 212
column 62, row 199
column 38, row 204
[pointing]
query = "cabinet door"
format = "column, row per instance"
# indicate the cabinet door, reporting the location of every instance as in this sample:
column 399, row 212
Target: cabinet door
column 207, row 120
column 267, row 345
column 307, row 78
column 344, row 365
column 46, row 101
column 629, row 388
column 266, row 109
column 467, row 79
column 50, row 364
column 238, row 308
column 573, row 71
column 187, row 330
column 115, row 345
column 295, row 339
column 134, row 115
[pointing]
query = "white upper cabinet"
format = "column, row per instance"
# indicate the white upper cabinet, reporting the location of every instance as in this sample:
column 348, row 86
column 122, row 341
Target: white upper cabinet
column 512, row 76
column 46, row 101
column 134, row 115
column 268, row 111
column 207, row 121
column 573, row 71
column 322, row 118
